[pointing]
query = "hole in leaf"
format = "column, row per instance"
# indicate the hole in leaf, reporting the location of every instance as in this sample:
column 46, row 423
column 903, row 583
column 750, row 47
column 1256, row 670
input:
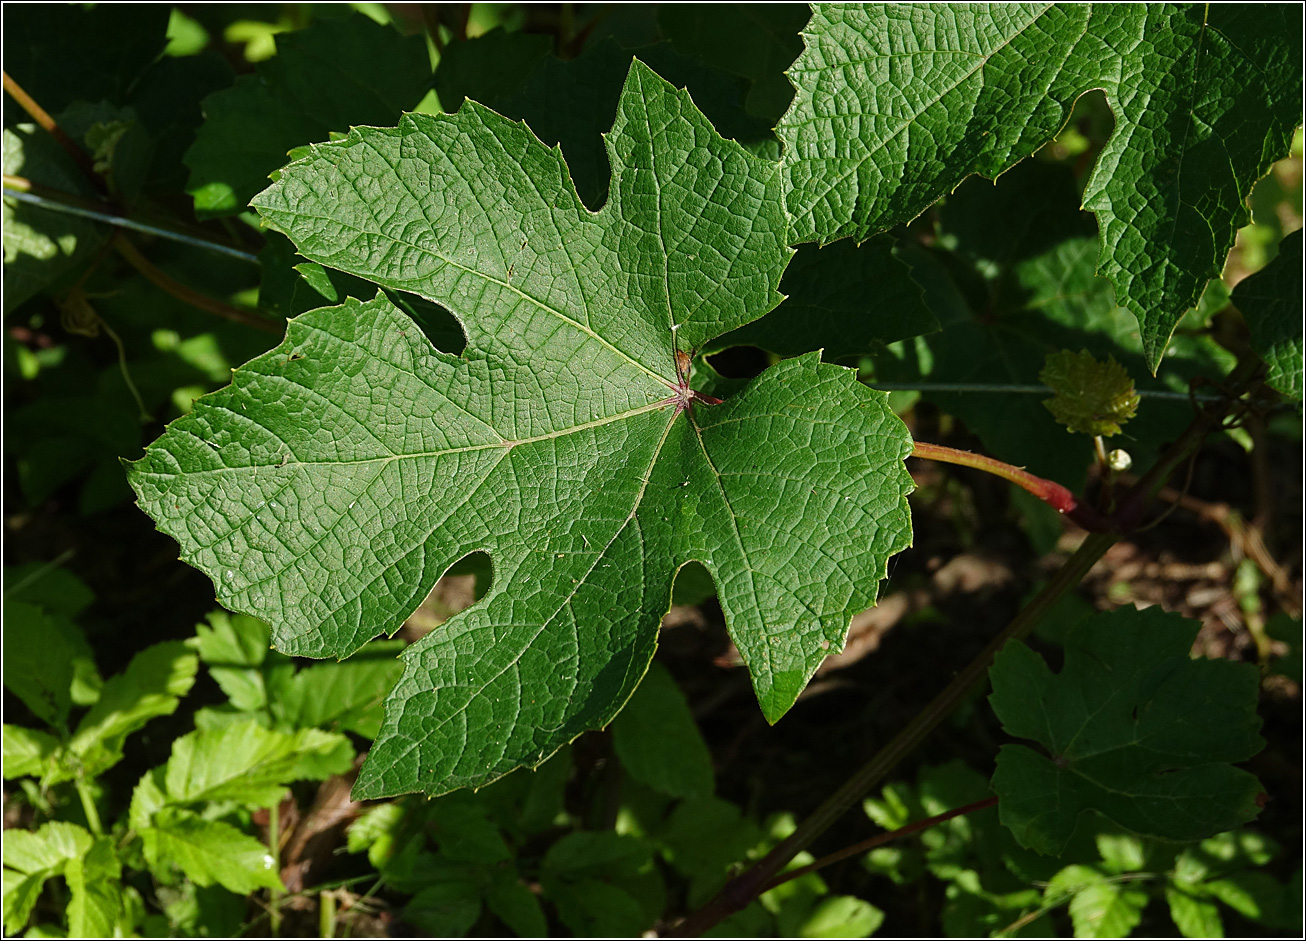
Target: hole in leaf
column 479, row 567
column 693, row 585
column 740, row 362
column 440, row 327
column 463, row 584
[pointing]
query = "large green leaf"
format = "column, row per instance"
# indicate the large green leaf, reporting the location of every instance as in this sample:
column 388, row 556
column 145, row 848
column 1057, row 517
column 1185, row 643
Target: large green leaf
column 343, row 472
column 1131, row 727
column 897, row 104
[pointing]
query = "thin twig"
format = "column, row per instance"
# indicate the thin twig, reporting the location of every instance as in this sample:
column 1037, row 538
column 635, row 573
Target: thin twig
column 879, row 839
column 142, row 264
column 42, row 117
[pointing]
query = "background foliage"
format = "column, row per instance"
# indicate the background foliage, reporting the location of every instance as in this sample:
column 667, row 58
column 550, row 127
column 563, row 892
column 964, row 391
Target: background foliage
column 167, row 773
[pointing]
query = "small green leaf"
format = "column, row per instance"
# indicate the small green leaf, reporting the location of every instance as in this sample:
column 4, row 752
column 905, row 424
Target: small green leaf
column 95, row 885
column 1133, row 729
column 248, row 763
column 461, row 828
column 39, row 661
column 340, row 696
column 602, row 883
column 1258, row 896
column 1092, row 398
column 1100, row 906
column 703, row 838
column 27, row 751
column 447, row 909
column 1194, row 917
column 234, row 647
column 1271, row 303
column 516, row 905
column 152, row 685
column 32, row 857
column 658, row 742
column 209, row 852
column 842, row 916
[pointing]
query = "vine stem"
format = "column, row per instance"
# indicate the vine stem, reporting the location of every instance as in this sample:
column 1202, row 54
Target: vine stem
column 1050, row 492
column 142, row 264
column 88, row 807
column 741, row 890
column 879, row 840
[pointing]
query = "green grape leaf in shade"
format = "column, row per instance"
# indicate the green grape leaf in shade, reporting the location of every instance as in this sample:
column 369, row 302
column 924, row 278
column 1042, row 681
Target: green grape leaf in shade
column 342, row 473
column 1271, row 303
column 56, row 52
column 1131, row 728
column 842, row 299
column 1015, row 283
column 756, row 41
column 657, row 741
column 571, row 102
column 333, row 75
column 896, row 104
column 1090, row 397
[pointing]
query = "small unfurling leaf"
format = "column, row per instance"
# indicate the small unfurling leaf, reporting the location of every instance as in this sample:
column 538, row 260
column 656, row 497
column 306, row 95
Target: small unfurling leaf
column 1091, row 397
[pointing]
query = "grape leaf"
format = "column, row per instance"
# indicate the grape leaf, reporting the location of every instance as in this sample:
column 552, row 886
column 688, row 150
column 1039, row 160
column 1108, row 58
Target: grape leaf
column 1132, row 728
column 104, row 48
column 1271, row 302
column 339, row 475
column 897, row 104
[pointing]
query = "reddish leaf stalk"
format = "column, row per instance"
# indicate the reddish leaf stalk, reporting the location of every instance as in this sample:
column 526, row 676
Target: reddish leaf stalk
column 1050, row 492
